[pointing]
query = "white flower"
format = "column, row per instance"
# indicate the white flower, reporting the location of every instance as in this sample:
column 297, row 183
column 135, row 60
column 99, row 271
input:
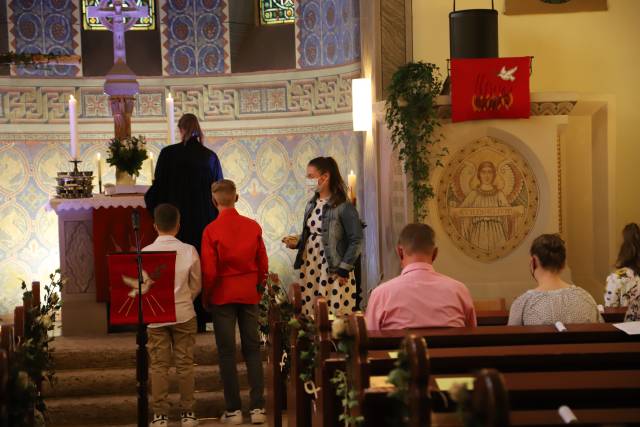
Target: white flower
column 46, row 321
column 338, row 328
column 23, row 380
column 281, row 298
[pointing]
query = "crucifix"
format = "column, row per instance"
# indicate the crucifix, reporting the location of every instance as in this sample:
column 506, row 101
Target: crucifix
column 121, row 84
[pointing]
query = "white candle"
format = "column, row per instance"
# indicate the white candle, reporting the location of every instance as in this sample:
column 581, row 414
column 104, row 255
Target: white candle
column 73, row 126
column 171, row 119
column 98, row 160
column 351, row 179
column 151, row 166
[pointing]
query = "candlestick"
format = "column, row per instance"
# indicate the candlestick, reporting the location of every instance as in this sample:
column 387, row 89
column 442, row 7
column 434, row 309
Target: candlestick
column 351, row 179
column 171, row 120
column 73, row 126
column 151, row 170
column 98, row 159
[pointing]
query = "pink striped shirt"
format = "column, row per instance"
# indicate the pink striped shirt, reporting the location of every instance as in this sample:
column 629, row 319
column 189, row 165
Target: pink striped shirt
column 420, row 297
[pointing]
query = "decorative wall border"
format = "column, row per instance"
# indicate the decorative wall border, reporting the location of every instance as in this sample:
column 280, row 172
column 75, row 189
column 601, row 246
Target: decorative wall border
column 545, row 108
column 292, row 94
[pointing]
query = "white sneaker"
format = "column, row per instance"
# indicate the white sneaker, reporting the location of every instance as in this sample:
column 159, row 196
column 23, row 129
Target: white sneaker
column 188, row 419
column 258, row 416
column 159, row 421
column 234, row 417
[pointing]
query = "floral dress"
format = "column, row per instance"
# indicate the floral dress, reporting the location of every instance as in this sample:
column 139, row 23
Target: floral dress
column 623, row 286
column 314, row 273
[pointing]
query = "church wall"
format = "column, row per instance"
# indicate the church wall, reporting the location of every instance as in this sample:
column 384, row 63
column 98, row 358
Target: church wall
column 587, row 53
column 265, row 128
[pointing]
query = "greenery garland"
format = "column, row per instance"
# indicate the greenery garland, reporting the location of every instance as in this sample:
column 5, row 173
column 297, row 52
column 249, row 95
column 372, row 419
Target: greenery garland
column 38, row 59
column 399, row 378
column 348, row 396
column 32, row 362
column 411, row 115
column 306, row 340
column 274, row 297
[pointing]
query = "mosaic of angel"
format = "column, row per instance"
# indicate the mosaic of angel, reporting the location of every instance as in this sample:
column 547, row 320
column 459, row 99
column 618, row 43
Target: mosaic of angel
column 487, row 202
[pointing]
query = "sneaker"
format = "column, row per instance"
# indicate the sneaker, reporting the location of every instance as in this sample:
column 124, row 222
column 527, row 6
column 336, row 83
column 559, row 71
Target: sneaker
column 188, row 419
column 234, row 417
column 258, row 416
column 159, row 420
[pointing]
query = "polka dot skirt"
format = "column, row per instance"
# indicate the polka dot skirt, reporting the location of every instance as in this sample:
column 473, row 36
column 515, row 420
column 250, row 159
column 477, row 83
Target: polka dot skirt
column 314, row 273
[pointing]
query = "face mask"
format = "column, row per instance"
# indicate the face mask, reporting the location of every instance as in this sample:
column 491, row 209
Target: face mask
column 311, row 184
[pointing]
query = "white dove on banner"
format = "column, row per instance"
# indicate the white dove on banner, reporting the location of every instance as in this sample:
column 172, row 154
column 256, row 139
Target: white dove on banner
column 505, row 74
column 147, row 283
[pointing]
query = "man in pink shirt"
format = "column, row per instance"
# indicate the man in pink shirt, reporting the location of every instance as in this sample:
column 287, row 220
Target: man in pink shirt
column 420, row 297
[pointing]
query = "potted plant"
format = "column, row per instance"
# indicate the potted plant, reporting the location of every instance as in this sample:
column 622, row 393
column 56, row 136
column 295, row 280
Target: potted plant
column 127, row 155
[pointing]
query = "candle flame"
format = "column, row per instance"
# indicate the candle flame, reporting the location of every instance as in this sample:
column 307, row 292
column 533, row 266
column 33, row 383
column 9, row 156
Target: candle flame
column 169, row 97
column 72, row 98
column 98, row 156
column 351, row 173
column 151, row 155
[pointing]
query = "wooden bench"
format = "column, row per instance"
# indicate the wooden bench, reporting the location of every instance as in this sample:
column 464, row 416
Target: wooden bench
column 490, row 400
column 501, row 317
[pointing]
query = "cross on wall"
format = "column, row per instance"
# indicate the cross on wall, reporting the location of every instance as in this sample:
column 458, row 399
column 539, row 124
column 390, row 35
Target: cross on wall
column 113, row 14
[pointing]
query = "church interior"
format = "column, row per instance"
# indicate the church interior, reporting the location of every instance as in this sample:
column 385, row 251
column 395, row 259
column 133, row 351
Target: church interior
column 465, row 173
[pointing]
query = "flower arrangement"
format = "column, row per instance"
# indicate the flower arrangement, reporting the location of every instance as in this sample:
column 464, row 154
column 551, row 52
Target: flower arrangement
column 127, row 154
column 32, row 362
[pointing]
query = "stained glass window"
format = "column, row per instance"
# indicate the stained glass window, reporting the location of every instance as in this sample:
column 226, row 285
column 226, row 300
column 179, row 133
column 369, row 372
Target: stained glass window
column 146, row 23
column 277, row 12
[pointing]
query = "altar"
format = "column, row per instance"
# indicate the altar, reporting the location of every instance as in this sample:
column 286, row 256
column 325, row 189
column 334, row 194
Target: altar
column 89, row 229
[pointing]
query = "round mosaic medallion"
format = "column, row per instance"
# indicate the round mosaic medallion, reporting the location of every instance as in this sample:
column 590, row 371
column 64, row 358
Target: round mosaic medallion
column 211, row 60
column 330, row 42
column 273, row 216
column 272, row 164
column 14, row 170
column 487, row 199
column 306, row 150
column 310, row 16
column 15, row 224
column 12, row 273
column 237, row 163
column 57, row 28
column 183, row 60
column 209, row 27
column 28, row 26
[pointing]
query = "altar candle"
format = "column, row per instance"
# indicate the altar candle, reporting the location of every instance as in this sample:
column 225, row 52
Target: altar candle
column 151, row 166
column 98, row 160
column 73, row 126
column 351, row 179
column 171, row 119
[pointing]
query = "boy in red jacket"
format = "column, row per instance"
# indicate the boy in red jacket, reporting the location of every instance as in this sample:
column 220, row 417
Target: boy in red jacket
column 234, row 262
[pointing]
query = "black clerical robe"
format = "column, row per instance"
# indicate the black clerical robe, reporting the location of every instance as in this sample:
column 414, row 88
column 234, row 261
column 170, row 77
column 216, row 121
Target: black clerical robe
column 183, row 177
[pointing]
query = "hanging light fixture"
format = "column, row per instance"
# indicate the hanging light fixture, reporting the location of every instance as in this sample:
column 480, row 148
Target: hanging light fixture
column 362, row 104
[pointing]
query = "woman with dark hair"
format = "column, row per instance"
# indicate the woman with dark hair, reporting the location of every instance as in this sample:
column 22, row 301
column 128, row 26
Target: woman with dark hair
column 331, row 240
column 553, row 300
column 184, row 174
column 623, row 285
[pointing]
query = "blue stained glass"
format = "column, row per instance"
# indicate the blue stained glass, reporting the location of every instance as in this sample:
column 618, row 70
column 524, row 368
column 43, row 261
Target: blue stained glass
column 145, row 23
column 277, row 12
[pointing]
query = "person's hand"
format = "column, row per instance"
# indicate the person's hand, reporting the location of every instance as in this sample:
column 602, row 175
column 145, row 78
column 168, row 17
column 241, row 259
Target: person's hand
column 291, row 242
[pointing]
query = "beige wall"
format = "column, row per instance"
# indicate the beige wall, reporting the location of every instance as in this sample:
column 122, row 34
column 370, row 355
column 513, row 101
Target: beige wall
column 592, row 52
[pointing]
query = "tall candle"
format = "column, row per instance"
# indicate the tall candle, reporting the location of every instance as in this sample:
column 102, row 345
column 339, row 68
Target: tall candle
column 73, row 126
column 98, row 160
column 351, row 179
column 151, row 166
column 171, row 120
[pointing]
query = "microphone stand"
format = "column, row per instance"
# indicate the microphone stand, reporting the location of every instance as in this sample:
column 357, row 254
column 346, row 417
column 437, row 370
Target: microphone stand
column 142, row 362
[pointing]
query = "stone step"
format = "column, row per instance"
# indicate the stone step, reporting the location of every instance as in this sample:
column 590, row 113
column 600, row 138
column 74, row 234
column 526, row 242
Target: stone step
column 119, row 351
column 94, row 382
column 115, row 410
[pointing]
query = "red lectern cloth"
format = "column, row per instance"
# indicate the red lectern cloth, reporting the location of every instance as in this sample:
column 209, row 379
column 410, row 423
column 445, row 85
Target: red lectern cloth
column 158, row 301
column 113, row 233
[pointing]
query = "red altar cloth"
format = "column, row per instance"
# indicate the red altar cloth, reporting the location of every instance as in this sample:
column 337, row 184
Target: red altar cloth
column 113, row 233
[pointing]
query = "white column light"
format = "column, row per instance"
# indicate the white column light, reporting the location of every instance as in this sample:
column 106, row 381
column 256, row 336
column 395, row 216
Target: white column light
column 361, row 104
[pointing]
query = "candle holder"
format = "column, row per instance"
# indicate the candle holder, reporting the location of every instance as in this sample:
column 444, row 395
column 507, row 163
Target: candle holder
column 75, row 166
column 76, row 184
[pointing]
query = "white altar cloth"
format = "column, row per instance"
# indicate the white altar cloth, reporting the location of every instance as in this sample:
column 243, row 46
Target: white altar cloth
column 97, row 201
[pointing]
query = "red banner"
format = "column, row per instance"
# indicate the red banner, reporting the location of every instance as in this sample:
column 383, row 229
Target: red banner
column 113, row 233
column 158, row 301
column 490, row 88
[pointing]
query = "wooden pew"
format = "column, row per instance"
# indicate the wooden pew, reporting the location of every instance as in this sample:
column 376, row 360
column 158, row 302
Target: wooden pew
column 274, row 375
column 298, row 401
column 501, row 317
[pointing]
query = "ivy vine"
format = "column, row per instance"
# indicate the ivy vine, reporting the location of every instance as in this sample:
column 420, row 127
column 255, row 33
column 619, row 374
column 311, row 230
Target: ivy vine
column 399, row 378
column 411, row 115
column 348, row 396
column 274, row 297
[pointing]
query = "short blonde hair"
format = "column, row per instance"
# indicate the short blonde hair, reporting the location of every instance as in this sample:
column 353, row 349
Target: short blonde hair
column 224, row 191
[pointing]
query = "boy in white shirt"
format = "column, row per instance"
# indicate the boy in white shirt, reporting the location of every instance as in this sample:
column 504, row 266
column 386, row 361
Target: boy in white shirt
column 180, row 335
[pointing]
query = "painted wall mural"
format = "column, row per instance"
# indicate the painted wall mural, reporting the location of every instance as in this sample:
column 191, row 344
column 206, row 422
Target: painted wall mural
column 195, row 37
column 269, row 171
column 327, row 32
column 44, row 26
column 488, row 199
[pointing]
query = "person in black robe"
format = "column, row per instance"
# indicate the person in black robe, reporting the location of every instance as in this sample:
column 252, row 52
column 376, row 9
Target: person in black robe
column 183, row 177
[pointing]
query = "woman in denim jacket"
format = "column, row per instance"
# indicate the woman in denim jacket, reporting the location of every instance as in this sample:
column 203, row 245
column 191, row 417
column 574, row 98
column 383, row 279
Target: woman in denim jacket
column 331, row 240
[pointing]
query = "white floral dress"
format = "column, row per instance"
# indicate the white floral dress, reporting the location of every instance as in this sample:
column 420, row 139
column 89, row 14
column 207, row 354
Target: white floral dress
column 314, row 273
column 623, row 286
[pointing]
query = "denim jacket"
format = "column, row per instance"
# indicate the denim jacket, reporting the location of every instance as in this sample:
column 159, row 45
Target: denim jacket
column 341, row 236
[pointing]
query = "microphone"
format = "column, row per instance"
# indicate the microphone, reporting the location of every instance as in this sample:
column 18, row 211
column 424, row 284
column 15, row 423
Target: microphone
column 135, row 219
